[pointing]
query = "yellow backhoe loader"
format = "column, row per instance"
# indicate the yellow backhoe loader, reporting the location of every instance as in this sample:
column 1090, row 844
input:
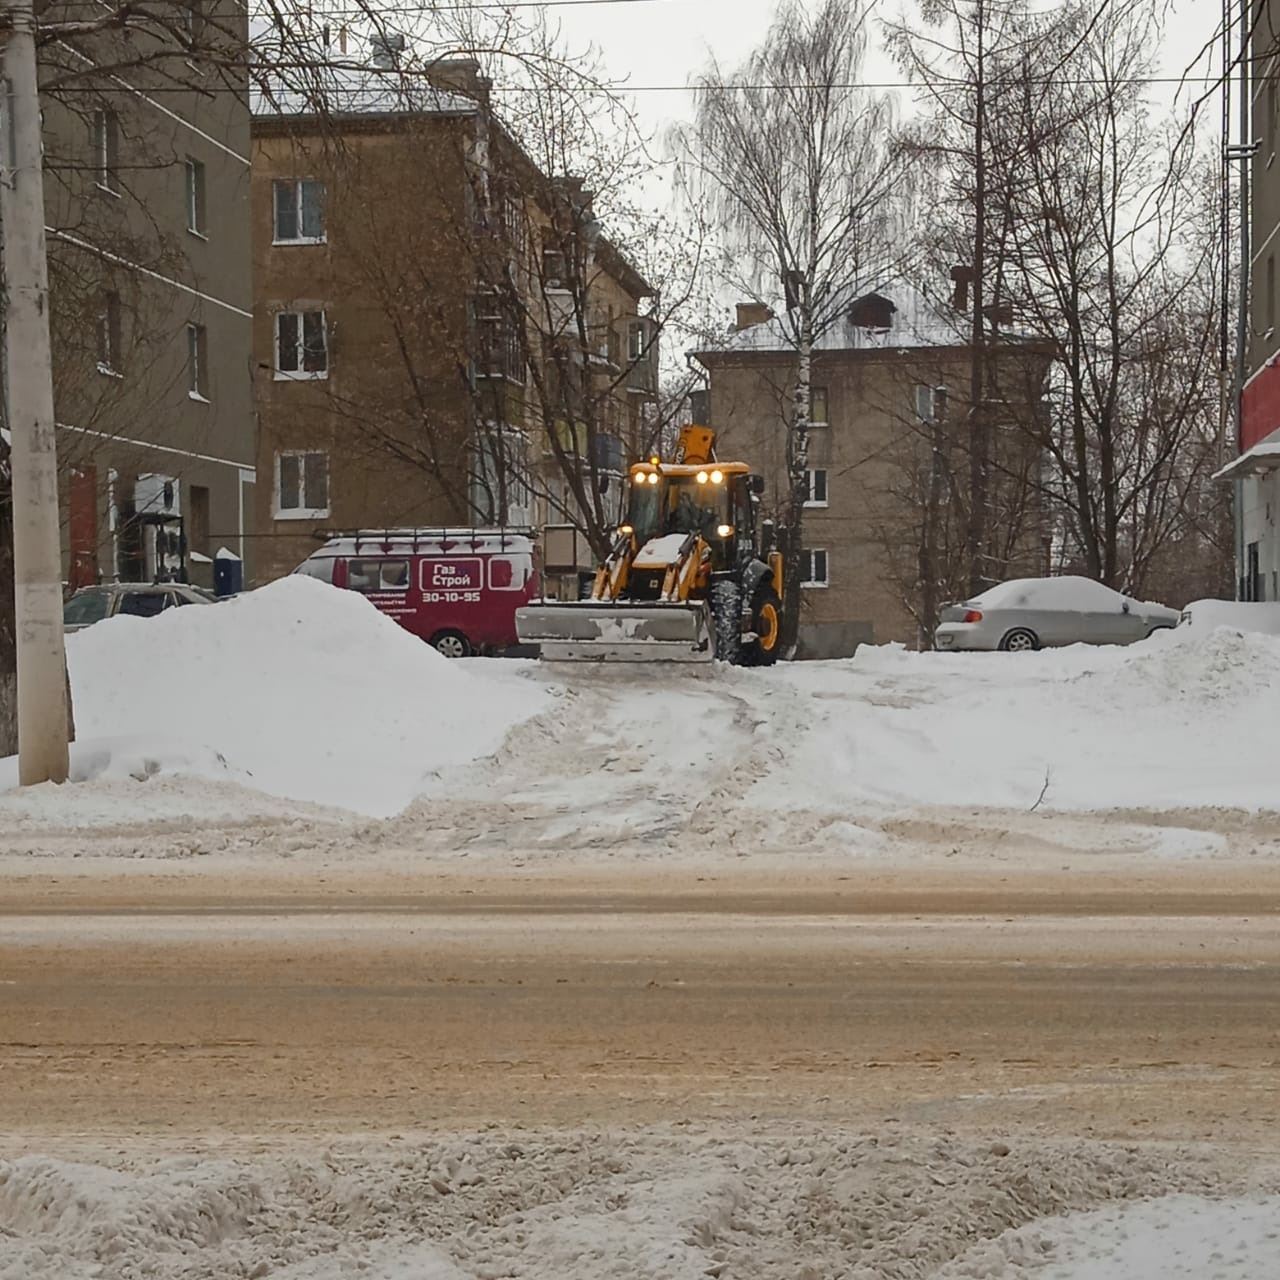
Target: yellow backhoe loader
column 690, row 577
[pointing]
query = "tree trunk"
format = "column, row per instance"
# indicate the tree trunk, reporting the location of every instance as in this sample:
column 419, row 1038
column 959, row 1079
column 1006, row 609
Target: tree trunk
column 798, row 491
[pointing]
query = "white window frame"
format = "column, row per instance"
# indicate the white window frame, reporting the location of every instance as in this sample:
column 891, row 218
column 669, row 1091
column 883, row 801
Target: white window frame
column 106, row 141
column 808, row 581
column 197, row 362
column 297, row 184
column 301, row 375
column 197, row 198
column 109, row 335
column 811, row 474
column 637, row 341
column 300, row 513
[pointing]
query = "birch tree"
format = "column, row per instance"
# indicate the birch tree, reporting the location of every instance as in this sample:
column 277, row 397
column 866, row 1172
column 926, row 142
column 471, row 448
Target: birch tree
column 795, row 163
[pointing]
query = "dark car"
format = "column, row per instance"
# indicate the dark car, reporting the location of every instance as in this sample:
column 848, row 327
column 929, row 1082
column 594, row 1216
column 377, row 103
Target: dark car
column 138, row 599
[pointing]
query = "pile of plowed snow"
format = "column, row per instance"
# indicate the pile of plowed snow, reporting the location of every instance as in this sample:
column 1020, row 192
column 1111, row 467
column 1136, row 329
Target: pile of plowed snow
column 296, row 690
column 1179, row 720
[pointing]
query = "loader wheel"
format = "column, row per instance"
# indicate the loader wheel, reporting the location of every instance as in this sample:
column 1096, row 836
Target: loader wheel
column 766, row 622
column 726, row 616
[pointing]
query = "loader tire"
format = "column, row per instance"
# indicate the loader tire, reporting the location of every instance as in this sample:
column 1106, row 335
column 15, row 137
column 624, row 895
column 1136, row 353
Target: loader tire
column 766, row 622
column 726, row 616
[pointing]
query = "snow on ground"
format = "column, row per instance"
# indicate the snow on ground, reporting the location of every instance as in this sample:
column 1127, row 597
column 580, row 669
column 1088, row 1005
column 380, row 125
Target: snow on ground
column 297, row 691
column 637, row 1206
column 298, row 695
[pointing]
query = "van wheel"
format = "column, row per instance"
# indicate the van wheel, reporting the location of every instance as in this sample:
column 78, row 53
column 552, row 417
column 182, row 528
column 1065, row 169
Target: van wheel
column 453, row 644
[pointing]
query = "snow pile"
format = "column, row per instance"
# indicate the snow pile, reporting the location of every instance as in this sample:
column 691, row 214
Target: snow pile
column 1178, row 1237
column 581, row 1206
column 296, row 690
column 1180, row 720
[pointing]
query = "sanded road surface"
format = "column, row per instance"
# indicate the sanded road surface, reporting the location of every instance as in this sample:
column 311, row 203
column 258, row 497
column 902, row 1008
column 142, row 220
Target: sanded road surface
column 1117, row 1010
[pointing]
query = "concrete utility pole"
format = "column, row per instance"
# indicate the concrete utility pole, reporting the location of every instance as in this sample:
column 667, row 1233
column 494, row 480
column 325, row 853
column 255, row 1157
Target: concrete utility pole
column 37, row 558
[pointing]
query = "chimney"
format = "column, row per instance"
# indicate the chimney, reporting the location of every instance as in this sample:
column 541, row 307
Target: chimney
column 751, row 314
column 960, row 279
column 459, row 75
column 385, row 50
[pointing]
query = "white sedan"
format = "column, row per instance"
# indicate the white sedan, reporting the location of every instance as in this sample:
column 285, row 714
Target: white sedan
column 1036, row 613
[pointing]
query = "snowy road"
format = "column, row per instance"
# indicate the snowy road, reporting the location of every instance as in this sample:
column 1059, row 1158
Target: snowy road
column 486, row 1079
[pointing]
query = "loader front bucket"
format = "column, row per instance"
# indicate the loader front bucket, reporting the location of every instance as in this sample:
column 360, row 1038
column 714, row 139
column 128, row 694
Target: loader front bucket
column 623, row 631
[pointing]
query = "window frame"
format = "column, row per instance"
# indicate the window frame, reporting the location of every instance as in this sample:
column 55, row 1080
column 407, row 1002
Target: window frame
column 816, row 393
column 300, row 512
column 110, row 338
column 198, row 363
column 809, row 566
column 812, row 500
column 301, row 374
column 297, row 185
column 504, row 358
column 197, row 198
column 106, row 151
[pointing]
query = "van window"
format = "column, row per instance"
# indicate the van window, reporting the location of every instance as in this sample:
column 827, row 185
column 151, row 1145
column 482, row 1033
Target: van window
column 508, row 573
column 378, row 575
column 315, row 567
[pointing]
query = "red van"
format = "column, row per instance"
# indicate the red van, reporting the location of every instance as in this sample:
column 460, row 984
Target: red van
column 458, row 589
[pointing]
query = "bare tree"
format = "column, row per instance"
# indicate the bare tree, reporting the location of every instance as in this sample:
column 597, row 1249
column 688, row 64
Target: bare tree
column 795, row 162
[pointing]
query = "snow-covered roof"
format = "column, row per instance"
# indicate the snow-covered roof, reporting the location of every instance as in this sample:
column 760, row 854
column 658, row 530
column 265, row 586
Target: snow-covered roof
column 1264, row 456
column 303, row 73
column 917, row 322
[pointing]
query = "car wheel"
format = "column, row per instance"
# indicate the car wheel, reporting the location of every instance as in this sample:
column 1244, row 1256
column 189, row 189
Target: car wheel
column 1020, row 640
column 453, row 644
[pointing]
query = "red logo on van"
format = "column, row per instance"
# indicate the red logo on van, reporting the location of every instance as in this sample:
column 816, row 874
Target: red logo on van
column 453, row 575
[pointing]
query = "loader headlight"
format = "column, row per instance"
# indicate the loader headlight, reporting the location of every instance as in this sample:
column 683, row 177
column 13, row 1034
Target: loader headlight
column 702, row 477
column 653, row 477
column 717, row 477
column 626, row 529
column 725, row 530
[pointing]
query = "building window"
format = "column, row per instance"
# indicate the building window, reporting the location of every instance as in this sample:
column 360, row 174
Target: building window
column 109, row 334
column 637, row 344
column 813, row 569
column 106, row 150
column 195, row 198
column 1271, row 116
column 818, row 406
column 302, row 345
column 197, row 521
column 554, row 274
column 500, row 490
column 192, row 21
column 299, row 211
column 500, row 353
column 302, row 486
column 197, row 362
column 816, row 493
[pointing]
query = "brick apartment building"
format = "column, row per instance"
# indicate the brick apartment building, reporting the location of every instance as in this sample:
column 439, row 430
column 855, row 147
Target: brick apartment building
column 443, row 336
column 1257, row 468
column 875, row 379
column 147, row 195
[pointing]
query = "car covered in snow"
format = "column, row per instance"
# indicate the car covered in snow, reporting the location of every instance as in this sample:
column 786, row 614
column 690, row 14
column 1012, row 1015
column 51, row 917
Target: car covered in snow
column 1036, row 613
column 1261, row 616
column 136, row 599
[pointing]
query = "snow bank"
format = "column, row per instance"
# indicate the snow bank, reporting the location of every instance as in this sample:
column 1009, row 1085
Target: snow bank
column 1181, row 720
column 296, row 690
column 1179, row 1237
column 613, row 1206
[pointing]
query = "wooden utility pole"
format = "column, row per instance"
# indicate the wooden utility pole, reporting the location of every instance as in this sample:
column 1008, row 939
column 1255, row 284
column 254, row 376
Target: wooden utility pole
column 42, row 685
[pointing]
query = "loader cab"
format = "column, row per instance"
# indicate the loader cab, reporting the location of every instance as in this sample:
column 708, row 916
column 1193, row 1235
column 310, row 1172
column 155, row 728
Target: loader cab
column 713, row 501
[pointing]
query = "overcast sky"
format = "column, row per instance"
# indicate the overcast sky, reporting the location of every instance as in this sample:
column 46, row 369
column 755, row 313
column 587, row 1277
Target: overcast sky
column 664, row 42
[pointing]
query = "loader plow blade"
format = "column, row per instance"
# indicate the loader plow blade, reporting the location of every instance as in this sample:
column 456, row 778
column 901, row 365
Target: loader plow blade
column 592, row 631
